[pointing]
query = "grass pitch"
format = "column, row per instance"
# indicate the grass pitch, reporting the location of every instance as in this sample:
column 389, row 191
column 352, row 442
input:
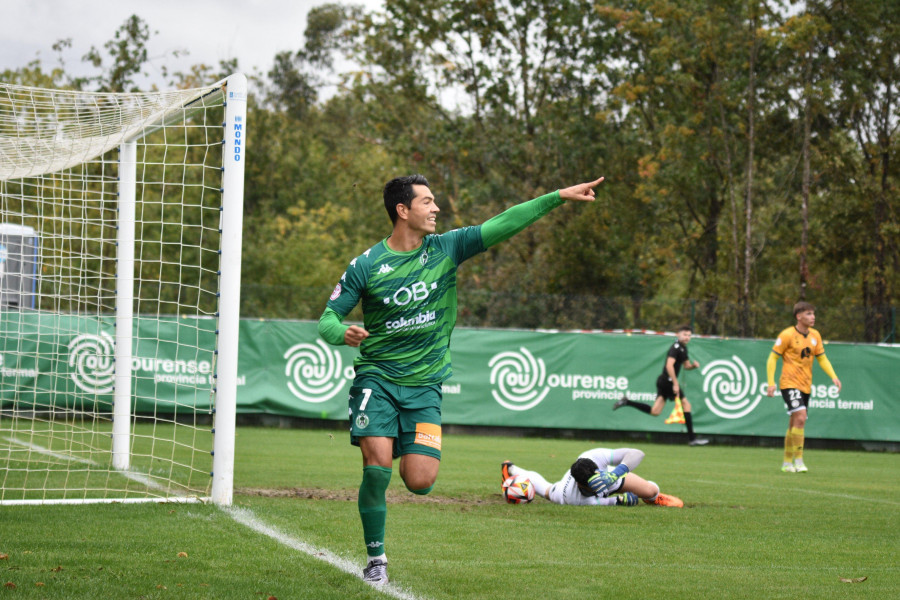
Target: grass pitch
column 747, row 530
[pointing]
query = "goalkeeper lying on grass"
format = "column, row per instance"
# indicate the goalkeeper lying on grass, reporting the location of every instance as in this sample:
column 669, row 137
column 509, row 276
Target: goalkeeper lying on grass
column 590, row 482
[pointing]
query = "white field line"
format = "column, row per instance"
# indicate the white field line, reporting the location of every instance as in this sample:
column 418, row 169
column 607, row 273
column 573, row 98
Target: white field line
column 802, row 490
column 133, row 475
column 247, row 518
column 80, row 501
column 48, row 452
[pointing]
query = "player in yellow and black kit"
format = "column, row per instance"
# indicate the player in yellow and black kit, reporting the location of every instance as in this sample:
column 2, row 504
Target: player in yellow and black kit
column 797, row 346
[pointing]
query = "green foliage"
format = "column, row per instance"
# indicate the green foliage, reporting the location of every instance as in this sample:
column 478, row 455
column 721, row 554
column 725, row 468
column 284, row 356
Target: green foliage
column 127, row 52
column 33, row 75
column 698, row 114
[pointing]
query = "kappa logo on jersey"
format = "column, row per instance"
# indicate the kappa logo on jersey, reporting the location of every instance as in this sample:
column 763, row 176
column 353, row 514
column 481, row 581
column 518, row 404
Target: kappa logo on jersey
column 385, row 268
column 730, row 386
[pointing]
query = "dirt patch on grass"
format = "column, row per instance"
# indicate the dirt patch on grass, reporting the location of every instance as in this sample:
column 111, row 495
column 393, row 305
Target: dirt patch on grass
column 393, row 496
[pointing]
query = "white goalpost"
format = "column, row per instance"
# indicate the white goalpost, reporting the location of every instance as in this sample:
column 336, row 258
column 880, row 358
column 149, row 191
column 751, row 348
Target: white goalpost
column 120, row 255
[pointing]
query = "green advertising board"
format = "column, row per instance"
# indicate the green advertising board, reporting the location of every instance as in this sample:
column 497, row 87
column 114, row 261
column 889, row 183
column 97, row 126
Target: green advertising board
column 564, row 380
column 571, row 380
column 51, row 360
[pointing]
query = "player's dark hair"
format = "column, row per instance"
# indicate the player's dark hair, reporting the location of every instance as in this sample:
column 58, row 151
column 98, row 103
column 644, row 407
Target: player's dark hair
column 685, row 328
column 399, row 191
column 582, row 470
column 802, row 306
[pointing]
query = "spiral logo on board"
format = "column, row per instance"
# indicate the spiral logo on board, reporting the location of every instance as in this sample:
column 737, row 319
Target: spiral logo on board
column 314, row 372
column 518, row 379
column 730, row 388
column 92, row 359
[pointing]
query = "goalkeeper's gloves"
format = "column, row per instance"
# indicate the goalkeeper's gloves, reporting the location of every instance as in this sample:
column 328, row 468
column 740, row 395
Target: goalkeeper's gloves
column 601, row 481
column 626, row 499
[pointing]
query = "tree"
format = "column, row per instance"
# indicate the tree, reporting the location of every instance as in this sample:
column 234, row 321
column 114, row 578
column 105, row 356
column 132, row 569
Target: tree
column 128, row 51
column 866, row 44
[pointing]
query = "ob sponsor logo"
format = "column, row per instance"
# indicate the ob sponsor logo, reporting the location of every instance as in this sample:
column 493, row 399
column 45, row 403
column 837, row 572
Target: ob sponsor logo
column 315, row 372
column 518, row 379
column 730, row 388
column 417, row 292
column 92, row 359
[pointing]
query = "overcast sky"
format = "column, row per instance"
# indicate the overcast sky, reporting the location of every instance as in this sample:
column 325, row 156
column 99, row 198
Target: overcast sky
column 253, row 31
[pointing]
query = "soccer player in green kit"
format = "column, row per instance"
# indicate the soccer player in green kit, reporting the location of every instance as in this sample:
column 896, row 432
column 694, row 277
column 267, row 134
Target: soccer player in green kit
column 407, row 286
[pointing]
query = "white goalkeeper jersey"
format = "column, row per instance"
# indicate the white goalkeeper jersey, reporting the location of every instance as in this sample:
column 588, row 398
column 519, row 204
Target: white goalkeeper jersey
column 565, row 491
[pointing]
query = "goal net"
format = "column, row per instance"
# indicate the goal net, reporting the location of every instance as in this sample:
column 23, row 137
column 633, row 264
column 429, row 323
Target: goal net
column 120, row 239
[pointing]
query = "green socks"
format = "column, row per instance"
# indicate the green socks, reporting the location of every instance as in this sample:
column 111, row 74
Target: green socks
column 373, row 507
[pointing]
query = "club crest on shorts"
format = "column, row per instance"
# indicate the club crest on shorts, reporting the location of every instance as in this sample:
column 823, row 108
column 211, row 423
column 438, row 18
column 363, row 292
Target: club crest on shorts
column 362, row 420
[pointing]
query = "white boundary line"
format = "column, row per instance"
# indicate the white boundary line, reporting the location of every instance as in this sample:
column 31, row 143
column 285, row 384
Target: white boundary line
column 248, row 519
column 803, row 490
column 48, row 452
column 240, row 515
column 129, row 474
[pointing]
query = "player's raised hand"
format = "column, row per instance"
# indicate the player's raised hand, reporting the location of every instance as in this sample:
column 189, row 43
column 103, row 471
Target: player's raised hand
column 583, row 191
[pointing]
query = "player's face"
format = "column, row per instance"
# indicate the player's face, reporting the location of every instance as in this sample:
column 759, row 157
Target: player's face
column 683, row 337
column 807, row 318
column 423, row 210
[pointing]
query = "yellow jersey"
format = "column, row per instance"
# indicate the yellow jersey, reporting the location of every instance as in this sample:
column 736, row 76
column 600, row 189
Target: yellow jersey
column 797, row 352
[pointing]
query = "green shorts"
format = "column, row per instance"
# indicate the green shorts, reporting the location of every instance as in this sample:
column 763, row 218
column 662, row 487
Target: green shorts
column 411, row 415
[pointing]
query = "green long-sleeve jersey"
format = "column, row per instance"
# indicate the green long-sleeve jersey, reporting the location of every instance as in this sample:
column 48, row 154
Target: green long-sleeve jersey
column 409, row 298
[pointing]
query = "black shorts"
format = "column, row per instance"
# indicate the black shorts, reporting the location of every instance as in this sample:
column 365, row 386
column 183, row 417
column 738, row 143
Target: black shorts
column 795, row 400
column 664, row 388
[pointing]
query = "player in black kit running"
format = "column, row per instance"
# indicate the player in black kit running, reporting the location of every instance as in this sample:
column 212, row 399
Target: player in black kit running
column 667, row 387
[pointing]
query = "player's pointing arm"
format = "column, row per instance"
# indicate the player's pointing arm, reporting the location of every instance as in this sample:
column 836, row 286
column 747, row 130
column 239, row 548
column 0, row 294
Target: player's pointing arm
column 515, row 219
